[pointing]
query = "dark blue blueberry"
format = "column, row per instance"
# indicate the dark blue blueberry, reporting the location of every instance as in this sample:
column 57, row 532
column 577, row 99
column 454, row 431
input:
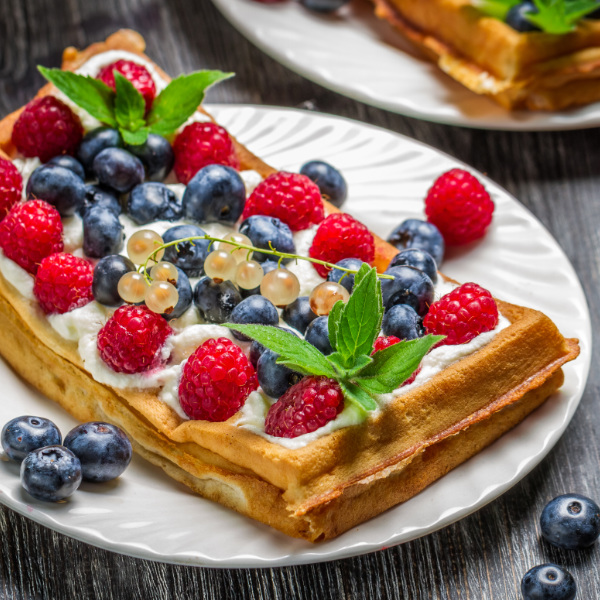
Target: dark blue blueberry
column 188, row 256
column 184, row 288
column 68, row 162
column 414, row 233
column 94, row 142
column 215, row 193
column 24, row 434
column 215, row 301
column 57, row 186
column 102, row 232
column 253, row 310
column 317, row 334
column 51, row 473
column 268, row 266
column 118, row 169
column 96, row 195
column 157, row 155
column 299, row 314
column 324, row 6
column 257, row 349
column 331, row 183
column 403, row 322
column 517, row 17
column 419, row 259
column 265, row 232
column 571, row 522
column 338, row 276
column 149, row 202
column 548, row 582
column 275, row 379
column 409, row 286
column 107, row 273
column 103, row 450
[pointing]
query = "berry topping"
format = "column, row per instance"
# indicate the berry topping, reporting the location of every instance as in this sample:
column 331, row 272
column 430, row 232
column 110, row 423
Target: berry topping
column 414, row 233
column 97, row 195
column 102, row 232
column 201, row 144
column 255, row 309
column 94, row 142
column 30, row 232
column 132, row 340
column 403, row 322
column 459, row 206
column 188, row 256
column 118, row 169
column 462, row 314
column 216, row 380
column 299, row 314
column 153, row 201
column 418, row 259
column 383, row 342
column 291, row 197
column 516, row 17
column 274, row 378
column 305, row 407
column 137, row 74
column 157, row 156
column 59, row 186
column 63, row 282
column 341, row 236
column 409, row 286
column 11, row 186
column 268, row 233
column 184, row 296
column 68, row 162
column 343, row 278
column 22, row 435
column 47, row 127
column 215, row 301
column 331, row 183
column 107, row 273
column 317, row 334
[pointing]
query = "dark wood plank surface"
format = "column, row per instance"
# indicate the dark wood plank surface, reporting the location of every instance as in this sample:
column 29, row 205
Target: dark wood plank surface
column 556, row 175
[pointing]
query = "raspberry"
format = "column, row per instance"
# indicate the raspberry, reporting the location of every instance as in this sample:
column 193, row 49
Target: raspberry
column 292, row 198
column 459, row 206
column 201, row 144
column 138, row 75
column 462, row 314
column 216, row 380
column 341, row 236
column 132, row 339
column 383, row 342
column 46, row 128
column 63, row 282
column 11, row 186
column 30, row 232
column 306, row 406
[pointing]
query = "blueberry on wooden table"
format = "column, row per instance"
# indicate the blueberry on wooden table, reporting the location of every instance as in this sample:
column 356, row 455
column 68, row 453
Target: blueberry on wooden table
column 548, row 582
column 22, row 435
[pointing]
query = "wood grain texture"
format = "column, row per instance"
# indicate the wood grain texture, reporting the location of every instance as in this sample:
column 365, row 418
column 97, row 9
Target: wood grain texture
column 556, row 175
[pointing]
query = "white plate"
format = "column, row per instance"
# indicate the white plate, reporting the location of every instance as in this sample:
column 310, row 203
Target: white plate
column 357, row 55
column 146, row 514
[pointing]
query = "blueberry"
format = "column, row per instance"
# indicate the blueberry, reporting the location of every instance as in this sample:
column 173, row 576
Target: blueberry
column 256, row 310
column 414, row 233
column 215, row 193
column 68, row 162
column 324, row 6
column 548, row 582
column 317, row 334
column 102, row 232
column 216, row 301
column 268, row 266
column 403, row 322
column 107, row 273
column 264, row 231
column 118, row 169
column 409, row 286
column 57, row 186
column 96, row 195
column 157, row 155
column 275, row 379
column 94, row 142
column 51, row 473
column 188, row 256
column 299, row 314
column 149, row 202
column 517, row 17
column 571, row 522
column 343, row 278
column 331, row 183
column 257, row 349
column 103, row 450
column 24, row 434
column 184, row 288
column 419, row 259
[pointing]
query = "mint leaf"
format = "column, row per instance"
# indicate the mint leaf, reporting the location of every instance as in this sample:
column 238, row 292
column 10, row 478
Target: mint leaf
column 357, row 396
column 92, row 95
column 135, row 138
column 560, row 16
column 333, row 322
column 293, row 352
column 495, row 8
column 180, row 99
column 130, row 107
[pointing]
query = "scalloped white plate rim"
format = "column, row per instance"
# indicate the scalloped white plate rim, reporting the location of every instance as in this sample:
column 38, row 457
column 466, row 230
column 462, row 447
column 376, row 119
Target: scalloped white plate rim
column 561, row 406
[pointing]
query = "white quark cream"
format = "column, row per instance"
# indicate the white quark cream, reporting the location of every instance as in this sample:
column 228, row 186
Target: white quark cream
column 18, row 277
column 303, row 269
column 26, row 166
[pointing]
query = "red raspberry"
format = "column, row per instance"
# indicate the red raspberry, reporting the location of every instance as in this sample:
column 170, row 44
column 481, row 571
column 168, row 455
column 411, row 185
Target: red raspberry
column 132, row 339
column 137, row 74
column 459, row 206
column 306, row 406
column 383, row 342
column 341, row 236
column 11, row 186
column 462, row 314
column 46, row 128
column 292, row 198
column 63, row 282
column 201, row 144
column 216, row 380
column 30, row 232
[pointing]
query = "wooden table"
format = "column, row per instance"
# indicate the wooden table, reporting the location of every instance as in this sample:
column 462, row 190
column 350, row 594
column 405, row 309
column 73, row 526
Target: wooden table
column 483, row 557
